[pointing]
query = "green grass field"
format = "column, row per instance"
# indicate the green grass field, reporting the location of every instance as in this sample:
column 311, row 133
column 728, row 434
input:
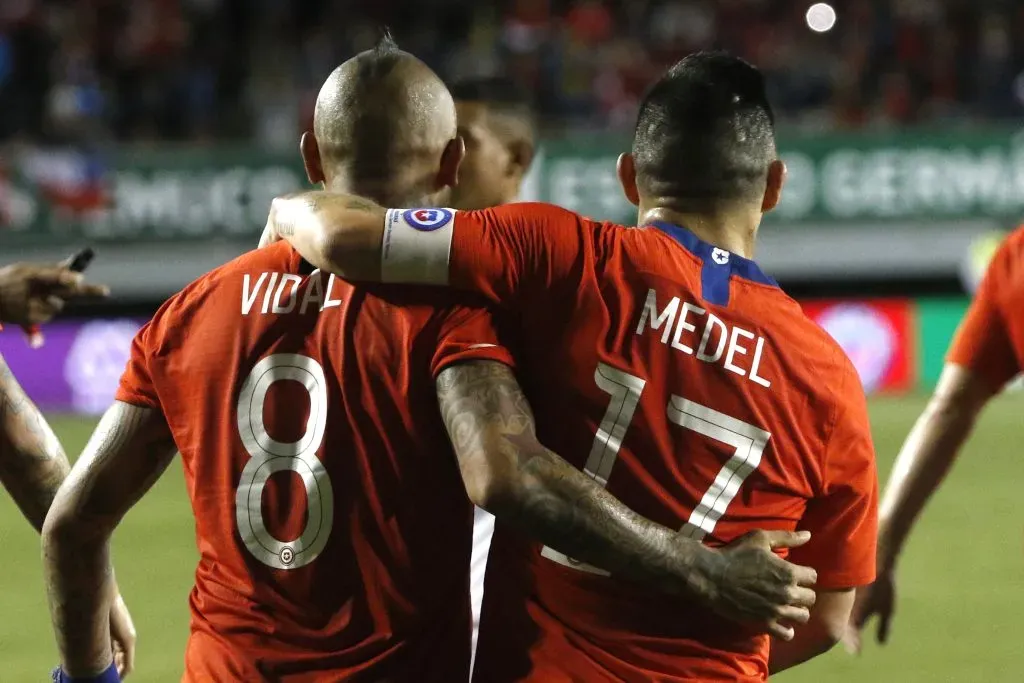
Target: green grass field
column 962, row 579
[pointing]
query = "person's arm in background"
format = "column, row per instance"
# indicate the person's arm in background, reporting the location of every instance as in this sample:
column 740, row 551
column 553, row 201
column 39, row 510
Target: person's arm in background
column 32, row 462
column 922, row 464
column 843, row 521
column 127, row 453
column 510, row 474
column 927, row 455
column 980, row 362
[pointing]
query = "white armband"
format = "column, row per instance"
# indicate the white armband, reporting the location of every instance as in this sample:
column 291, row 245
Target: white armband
column 417, row 244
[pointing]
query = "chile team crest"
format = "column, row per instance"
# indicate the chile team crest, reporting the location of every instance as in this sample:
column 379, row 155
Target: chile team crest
column 427, row 220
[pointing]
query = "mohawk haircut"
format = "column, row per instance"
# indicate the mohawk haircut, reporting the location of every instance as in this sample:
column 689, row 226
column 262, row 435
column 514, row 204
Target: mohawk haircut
column 501, row 95
column 705, row 132
column 386, row 44
column 378, row 61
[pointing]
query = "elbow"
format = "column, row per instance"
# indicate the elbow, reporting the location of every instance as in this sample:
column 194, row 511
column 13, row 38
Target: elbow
column 64, row 528
column 491, row 492
column 349, row 253
column 832, row 633
column 490, row 487
column 830, row 617
column 328, row 252
column 59, row 529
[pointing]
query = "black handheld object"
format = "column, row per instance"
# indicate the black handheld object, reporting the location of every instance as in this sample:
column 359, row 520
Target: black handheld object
column 81, row 260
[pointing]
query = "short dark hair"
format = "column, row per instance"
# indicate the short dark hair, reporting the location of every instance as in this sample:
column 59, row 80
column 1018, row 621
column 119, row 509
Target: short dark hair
column 705, row 132
column 500, row 94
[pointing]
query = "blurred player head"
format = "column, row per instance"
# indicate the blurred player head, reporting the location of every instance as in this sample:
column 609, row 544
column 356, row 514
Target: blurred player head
column 384, row 128
column 705, row 141
column 496, row 122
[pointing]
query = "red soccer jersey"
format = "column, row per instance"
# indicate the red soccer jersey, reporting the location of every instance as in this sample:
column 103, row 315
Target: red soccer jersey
column 682, row 378
column 332, row 524
column 990, row 340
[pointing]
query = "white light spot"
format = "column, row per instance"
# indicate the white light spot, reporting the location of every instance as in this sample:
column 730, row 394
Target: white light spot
column 821, row 17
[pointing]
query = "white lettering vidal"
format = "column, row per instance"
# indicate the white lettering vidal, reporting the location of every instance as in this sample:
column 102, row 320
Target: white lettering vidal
column 292, row 296
column 329, row 302
column 666, row 317
column 734, row 348
column 683, row 325
column 757, row 364
column 269, row 292
column 249, row 296
column 702, row 350
column 314, row 292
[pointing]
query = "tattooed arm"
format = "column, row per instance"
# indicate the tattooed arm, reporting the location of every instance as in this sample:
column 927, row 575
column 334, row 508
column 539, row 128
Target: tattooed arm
column 127, row 453
column 510, row 474
column 32, row 462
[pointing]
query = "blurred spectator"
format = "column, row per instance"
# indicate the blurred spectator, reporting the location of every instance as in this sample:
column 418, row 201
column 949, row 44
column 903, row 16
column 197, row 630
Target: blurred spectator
column 76, row 71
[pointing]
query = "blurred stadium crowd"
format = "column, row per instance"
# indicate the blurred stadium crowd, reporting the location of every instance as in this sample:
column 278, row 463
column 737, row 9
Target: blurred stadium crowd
column 193, row 70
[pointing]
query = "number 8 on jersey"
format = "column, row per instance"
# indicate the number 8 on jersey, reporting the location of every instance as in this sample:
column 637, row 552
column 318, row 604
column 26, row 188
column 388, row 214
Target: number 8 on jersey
column 268, row 456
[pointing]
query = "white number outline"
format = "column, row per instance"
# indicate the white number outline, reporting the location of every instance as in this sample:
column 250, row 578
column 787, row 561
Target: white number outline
column 268, row 456
column 625, row 390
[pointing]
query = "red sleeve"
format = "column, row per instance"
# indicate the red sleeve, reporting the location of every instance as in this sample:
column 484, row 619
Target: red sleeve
column 516, row 250
column 982, row 343
column 136, row 385
column 506, row 253
column 843, row 519
column 468, row 334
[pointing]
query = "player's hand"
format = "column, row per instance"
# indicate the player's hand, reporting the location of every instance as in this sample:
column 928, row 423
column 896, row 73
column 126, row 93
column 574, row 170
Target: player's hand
column 270, row 232
column 122, row 636
column 756, row 586
column 31, row 294
column 878, row 599
column 269, row 235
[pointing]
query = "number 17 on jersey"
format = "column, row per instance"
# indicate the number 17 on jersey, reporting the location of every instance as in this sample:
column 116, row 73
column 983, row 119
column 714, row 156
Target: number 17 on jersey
column 625, row 390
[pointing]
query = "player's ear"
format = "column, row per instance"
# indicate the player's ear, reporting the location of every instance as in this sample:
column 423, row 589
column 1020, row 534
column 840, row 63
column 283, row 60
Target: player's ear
column 773, row 188
column 520, row 156
column 451, row 158
column 309, row 148
column 627, row 177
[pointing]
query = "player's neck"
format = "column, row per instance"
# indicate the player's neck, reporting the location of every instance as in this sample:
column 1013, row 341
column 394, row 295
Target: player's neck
column 733, row 231
column 384, row 192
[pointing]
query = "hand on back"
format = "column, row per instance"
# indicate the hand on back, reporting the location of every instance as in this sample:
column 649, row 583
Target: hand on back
column 752, row 584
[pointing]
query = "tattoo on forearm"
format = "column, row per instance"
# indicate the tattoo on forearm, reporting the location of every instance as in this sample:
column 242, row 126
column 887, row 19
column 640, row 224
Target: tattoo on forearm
column 314, row 201
column 285, row 220
column 129, row 450
column 555, row 502
column 32, row 463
